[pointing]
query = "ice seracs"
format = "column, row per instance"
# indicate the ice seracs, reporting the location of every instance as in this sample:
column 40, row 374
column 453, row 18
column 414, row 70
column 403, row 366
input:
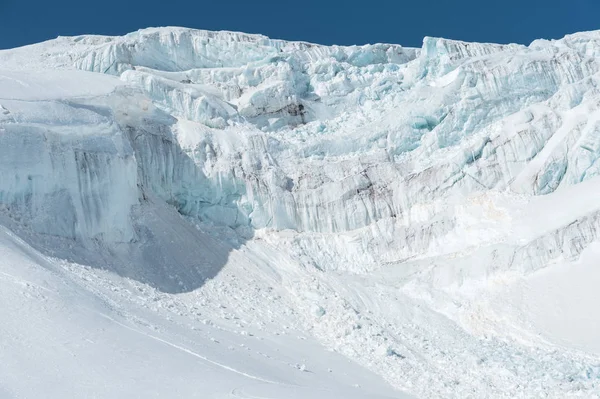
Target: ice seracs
column 387, row 192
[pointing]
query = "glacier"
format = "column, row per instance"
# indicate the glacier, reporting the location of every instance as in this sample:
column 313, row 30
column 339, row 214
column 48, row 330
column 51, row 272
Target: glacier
column 415, row 210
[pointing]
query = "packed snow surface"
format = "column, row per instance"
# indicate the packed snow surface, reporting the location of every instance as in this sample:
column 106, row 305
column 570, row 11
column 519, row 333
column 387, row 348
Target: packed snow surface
column 187, row 213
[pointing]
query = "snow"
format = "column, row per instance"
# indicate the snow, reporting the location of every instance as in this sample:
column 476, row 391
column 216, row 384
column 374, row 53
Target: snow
column 53, row 85
column 562, row 291
column 248, row 217
column 66, row 337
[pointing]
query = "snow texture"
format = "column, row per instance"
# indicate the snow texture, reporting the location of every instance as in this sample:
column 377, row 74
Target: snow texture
column 431, row 214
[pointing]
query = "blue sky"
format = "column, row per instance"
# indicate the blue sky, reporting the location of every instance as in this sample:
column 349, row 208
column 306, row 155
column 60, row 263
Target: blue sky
column 321, row 21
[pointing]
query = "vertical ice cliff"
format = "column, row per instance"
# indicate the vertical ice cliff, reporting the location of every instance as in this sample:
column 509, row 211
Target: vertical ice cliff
column 290, row 135
column 430, row 169
column 67, row 168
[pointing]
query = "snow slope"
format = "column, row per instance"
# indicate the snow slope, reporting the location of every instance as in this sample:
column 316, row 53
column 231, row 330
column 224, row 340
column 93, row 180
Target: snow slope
column 64, row 337
column 430, row 214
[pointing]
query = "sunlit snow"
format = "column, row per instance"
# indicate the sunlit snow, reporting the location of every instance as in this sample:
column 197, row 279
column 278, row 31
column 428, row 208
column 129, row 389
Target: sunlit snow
column 220, row 215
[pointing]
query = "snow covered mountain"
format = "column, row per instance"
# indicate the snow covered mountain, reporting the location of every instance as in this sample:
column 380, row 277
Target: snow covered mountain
column 213, row 214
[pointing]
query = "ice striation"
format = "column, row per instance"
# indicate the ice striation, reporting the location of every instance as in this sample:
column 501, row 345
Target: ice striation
column 360, row 159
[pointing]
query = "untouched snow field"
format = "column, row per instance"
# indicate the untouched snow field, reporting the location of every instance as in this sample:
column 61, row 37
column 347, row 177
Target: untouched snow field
column 204, row 214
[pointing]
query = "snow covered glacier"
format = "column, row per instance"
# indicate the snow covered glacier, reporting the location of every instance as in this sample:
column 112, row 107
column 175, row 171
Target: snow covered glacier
column 417, row 209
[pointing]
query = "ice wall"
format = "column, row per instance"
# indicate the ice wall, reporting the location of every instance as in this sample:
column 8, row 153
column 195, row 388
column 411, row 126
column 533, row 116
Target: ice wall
column 73, row 185
column 363, row 141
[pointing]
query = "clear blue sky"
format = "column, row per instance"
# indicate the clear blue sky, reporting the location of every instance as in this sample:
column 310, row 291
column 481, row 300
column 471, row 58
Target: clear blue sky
column 320, row 21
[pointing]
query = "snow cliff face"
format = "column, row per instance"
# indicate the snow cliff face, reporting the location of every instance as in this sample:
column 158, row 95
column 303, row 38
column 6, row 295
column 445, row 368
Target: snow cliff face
column 66, row 168
column 358, row 159
column 264, row 133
